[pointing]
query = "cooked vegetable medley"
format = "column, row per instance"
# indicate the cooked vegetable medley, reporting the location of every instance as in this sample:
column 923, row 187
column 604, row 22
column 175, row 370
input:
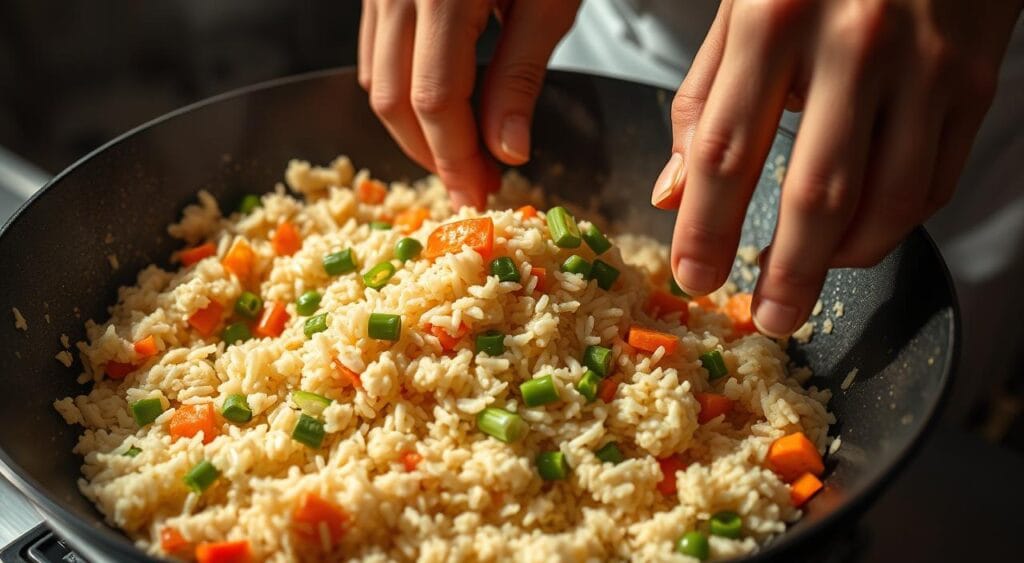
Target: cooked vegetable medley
column 362, row 374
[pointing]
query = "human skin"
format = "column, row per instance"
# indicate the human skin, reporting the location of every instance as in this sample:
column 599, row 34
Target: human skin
column 892, row 94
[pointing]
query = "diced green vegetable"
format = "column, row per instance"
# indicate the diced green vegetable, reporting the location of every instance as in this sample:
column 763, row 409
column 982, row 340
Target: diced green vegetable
column 505, row 269
column 599, row 359
column 562, row 226
column 236, row 408
column 310, row 403
column 380, row 225
column 307, row 303
column 315, row 324
column 596, row 240
column 308, row 431
column 714, row 363
column 132, row 452
column 383, row 326
column 491, row 342
column 146, row 411
column 610, row 453
column 501, row 424
column 576, row 265
column 539, row 391
column 588, row 384
column 248, row 204
column 604, row 273
column 694, row 544
column 674, row 288
column 379, row 275
column 248, row 305
column 236, row 332
column 201, row 476
column 552, row 466
column 408, row 249
column 726, row 524
column 339, row 263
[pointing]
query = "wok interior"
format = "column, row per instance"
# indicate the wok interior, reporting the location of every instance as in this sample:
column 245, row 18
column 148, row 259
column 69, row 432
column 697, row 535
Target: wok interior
column 595, row 139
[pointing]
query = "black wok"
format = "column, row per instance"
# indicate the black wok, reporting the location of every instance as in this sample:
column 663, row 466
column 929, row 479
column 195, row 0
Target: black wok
column 595, row 138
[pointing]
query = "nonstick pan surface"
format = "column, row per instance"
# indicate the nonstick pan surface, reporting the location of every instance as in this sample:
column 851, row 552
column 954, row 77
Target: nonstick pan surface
column 596, row 140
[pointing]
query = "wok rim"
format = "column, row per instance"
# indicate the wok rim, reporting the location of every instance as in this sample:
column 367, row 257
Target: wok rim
column 84, row 536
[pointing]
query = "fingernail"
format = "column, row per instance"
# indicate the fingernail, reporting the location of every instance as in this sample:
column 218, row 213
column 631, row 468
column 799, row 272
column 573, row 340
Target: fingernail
column 669, row 178
column 515, row 137
column 775, row 319
column 696, row 278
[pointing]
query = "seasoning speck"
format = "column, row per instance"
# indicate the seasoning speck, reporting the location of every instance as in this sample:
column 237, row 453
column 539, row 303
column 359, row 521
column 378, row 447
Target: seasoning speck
column 826, row 326
column 817, row 308
column 838, row 309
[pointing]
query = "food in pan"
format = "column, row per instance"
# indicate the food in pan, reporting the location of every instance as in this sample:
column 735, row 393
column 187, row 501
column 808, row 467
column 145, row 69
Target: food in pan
column 354, row 371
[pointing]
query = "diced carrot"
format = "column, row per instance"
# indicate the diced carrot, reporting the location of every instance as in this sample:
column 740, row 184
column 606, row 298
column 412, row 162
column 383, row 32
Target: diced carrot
column 411, row 219
column 206, row 320
column 793, row 455
column 171, row 540
column 805, row 487
column 239, row 260
column 118, row 370
column 224, row 552
column 649, row 340
column 738, row 309
column 286, row 240
column 410, row 459
column 190, row 256
column 606, row 389
column 527, row 211
column 146, row 347
column 189, row 420
column 448, row 341
column 662, row 302
column 311, row 513
column 712, row 405
column 371, row 191
column 274, row 318
column 347, row 375
column 477, row 234
column 669, row 466
column 542, row 278
column 705, row 303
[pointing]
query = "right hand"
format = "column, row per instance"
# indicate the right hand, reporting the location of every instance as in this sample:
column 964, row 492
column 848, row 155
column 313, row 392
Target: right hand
column 417, row 60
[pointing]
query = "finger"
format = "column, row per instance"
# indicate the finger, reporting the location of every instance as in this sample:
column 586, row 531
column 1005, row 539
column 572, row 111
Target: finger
column 392, row 79
column 444, row 67
column 532, row 29
column 900, row 172
column 821, row 188
column 686, row 109
column 958, row 132
column 367, row 27
column 733, row 135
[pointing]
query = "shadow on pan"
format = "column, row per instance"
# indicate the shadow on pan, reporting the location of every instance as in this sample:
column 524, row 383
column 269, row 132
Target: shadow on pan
column 596, row 139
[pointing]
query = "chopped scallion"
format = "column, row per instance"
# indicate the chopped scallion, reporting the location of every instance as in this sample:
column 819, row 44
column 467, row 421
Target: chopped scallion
column 379, row 275
column 201, row 476
column 132, row 452
column 604, row 273
column 595, row 239
column 562, row 226
column 552, row 466
column 339, row 263
column 609, row 453
column 146, row 411
column 312, row 404
column 308, row 431
column 588, row 384
column 599, row 359
column 505, row 269
column 575, row 264
column 236, row 408
column 726, row 524
column 714, row 363
column 501, row 424
column 539, row 391
column 380, row 225
column 382, row 326
column 491, row 342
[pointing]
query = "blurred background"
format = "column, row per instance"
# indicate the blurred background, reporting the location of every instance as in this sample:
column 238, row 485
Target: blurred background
column 74, row 74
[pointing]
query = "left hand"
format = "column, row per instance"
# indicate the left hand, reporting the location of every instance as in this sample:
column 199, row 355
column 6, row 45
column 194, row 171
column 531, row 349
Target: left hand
column 893, row 93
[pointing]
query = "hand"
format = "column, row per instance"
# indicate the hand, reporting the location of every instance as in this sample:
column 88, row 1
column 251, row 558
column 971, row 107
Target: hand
column 893, row 92
column 417, row 60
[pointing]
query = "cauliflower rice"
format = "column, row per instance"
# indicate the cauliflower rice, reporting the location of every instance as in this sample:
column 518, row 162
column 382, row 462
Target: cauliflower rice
column 470, row 497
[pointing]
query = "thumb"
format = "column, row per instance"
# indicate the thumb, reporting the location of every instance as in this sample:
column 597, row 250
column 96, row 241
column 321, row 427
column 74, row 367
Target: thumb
column 531, row 30
column 687, row 107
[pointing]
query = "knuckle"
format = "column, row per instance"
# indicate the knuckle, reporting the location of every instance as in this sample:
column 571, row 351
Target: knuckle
column 384, row 102
column 860, row 28
column 817, row 195
column 719, row 154
column 770, row 15
column 523, row 79
column 431, row 99
column 685, row 108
